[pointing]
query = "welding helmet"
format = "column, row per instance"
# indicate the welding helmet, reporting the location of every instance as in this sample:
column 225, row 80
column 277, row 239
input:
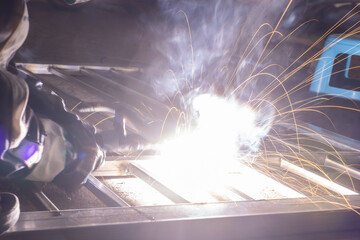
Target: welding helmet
column 14, row 26
column 40, row 140
column 21, row 132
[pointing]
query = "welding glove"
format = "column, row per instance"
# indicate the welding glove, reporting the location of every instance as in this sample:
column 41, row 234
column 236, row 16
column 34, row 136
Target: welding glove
column 83, row 148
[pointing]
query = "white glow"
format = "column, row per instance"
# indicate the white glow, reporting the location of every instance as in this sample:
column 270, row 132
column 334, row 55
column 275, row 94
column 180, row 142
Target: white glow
column 137, row 192
column 211, row 147
column 259, row 186
column 203, row 159
column 196, row 187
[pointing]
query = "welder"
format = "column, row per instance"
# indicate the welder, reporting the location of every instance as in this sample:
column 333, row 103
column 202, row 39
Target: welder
column 39, row 139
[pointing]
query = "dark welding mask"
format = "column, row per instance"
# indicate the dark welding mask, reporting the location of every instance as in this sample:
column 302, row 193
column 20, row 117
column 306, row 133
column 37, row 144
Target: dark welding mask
column 14, row 27
column 18, row 162
column 70, row 152
column 21, row 132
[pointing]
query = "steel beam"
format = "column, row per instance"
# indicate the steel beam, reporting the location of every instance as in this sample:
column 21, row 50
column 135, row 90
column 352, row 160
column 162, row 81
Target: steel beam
column 274, row 219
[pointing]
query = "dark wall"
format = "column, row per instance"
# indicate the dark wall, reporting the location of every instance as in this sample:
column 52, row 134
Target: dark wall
column 105, row 32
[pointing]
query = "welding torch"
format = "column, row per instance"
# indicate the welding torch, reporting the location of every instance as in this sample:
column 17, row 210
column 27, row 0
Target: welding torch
column 133, row 130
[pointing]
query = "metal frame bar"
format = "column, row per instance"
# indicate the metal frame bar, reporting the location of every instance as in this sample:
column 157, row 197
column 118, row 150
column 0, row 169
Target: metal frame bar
column 335, row 139
column 67, row 77
column 241, row 194
column 153, row 182
column 110, row 198
column 232, row 220
column 46, row 202
column 355, row 173
column 37, row 68
column 38, row 196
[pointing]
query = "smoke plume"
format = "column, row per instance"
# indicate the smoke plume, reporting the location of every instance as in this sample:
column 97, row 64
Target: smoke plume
column 202, row 44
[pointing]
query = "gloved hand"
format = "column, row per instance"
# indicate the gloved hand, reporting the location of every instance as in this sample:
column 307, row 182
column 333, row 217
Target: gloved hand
column 84, row 150
column 86, row 156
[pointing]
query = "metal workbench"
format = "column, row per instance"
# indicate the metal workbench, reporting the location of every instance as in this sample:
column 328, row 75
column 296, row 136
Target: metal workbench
column 115, row 212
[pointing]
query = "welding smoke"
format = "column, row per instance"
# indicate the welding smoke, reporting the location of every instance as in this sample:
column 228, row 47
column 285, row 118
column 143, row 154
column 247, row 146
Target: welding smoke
column 200, row 43
column 211, row 47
